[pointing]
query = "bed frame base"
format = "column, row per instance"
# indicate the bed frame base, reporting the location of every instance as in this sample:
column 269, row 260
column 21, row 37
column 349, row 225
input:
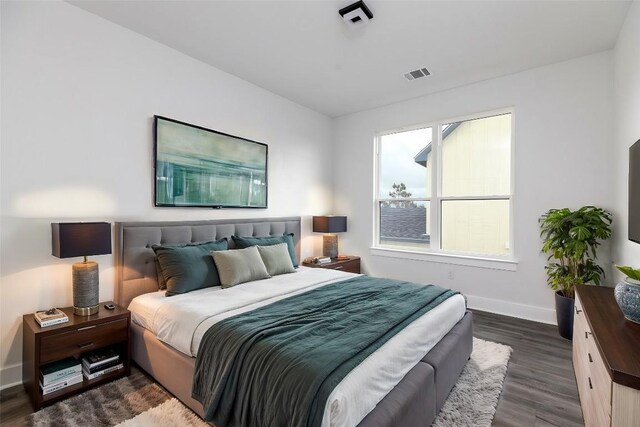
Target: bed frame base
column 415, row 401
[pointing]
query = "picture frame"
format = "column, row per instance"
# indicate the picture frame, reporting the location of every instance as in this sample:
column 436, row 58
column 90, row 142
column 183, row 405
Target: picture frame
column 199, row 167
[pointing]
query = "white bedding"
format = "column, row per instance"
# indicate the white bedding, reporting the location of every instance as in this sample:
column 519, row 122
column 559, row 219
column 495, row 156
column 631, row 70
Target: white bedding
column 182, row 320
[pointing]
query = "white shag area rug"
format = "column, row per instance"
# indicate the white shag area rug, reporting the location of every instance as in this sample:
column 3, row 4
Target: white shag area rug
column 474, row 398
column 472, row 402
column 170, row 413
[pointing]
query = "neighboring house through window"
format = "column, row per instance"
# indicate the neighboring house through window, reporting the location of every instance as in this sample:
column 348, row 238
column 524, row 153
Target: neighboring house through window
column 446, row 187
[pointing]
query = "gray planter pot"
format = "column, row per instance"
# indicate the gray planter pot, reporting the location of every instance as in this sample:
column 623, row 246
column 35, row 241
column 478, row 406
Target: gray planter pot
column 627, row 295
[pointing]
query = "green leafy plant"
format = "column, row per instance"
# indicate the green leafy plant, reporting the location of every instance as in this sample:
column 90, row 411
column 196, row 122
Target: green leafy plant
column 630, row 272
column 571, row 239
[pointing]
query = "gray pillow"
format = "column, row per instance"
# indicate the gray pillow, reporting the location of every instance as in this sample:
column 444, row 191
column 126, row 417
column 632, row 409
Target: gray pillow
column 276, row 258
column 239, row 266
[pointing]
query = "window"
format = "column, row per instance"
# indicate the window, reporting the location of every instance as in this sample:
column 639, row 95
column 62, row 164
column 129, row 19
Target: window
column 446, row 187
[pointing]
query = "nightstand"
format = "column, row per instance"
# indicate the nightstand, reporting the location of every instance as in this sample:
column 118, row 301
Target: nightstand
column 79, row 335
column 351, row 265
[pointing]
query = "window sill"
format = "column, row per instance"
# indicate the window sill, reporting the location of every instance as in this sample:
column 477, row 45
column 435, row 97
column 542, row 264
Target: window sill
column 466, row 260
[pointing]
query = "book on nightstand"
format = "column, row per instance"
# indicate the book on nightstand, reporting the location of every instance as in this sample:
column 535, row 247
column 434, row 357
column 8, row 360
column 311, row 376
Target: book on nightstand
column 100, row 367
column 62, row 383
column 101, row 362
column 99, row 357
column 50, row 317
column 58, row 371
column 104, row 371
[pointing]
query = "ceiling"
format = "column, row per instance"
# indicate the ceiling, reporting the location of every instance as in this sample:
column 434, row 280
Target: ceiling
column 303, row 51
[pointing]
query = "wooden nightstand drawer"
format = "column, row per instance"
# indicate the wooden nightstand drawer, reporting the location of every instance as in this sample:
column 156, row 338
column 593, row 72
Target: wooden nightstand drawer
column 81, row 339
column 351, row 266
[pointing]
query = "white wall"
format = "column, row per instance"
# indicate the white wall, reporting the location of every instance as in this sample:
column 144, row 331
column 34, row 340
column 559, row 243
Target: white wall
column 562, row 158
column 626, row 60
column 78, row 96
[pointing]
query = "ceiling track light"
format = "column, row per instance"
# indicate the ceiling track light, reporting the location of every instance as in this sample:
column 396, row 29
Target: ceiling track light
column 356, row 14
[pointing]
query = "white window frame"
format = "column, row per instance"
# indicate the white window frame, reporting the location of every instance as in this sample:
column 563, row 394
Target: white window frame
column 435, row 253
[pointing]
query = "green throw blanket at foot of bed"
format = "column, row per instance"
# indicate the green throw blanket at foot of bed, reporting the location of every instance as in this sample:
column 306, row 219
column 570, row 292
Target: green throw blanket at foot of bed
column 278, row 364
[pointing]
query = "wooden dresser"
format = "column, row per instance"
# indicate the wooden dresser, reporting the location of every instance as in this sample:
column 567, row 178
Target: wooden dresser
column 606, row 360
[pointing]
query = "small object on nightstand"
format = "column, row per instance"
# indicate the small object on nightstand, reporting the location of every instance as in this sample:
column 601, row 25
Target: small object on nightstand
column 50, row 317
column 317, row 260
column 109, row 306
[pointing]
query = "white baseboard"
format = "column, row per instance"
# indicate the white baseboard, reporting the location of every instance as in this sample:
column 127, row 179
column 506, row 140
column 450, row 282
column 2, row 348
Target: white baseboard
column 507, row 308
column 10, row 376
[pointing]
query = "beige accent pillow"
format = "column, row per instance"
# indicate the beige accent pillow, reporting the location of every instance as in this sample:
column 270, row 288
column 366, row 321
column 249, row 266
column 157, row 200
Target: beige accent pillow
column 239, row 266
column 276, row 258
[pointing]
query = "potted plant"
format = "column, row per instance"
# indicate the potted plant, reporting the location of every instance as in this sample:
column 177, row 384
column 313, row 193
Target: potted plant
column 571, row 239
column 627, row 293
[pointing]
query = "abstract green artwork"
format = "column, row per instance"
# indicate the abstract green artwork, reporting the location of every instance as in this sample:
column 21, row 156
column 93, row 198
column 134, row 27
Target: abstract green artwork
column 195, row 166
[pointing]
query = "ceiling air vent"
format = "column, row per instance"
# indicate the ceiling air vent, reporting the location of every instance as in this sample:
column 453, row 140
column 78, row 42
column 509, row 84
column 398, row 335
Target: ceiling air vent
column 416, row 74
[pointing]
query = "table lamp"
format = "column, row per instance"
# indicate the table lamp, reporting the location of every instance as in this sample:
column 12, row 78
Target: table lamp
column 75, row 239
column 330, row 225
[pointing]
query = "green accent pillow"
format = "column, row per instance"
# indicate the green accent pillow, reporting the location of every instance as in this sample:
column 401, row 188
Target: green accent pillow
column 239, row 266
column 276, row 259
column 245, row 242
column 189, row 267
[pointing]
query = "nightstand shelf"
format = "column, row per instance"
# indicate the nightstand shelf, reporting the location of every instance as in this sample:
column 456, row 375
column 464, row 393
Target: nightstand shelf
column 350, row 265
column 81, row 334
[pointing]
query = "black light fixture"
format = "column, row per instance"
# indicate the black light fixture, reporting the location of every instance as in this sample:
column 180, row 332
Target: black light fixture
column 330, row 225
column 75, row 239
column 356, row 14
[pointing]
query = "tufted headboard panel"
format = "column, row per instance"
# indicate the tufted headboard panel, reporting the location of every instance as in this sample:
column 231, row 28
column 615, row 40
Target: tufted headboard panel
column 135, row 263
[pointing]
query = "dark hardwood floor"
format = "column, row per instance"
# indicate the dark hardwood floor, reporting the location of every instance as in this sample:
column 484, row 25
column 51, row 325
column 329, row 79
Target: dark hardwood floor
column 540, row 387
column 539, row 390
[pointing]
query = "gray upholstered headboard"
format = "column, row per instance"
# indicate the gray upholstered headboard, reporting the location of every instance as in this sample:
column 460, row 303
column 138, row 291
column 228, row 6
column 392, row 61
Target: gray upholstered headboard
column 135, row 265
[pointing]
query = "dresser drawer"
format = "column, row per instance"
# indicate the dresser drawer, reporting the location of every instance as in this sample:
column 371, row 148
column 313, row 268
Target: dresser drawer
column 600, row 382
column 70, row 343
column 593, row 380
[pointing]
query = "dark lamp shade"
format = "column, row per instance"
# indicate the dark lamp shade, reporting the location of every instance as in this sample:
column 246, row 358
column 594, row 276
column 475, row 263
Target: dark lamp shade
column 329, row 224
column 74, row 239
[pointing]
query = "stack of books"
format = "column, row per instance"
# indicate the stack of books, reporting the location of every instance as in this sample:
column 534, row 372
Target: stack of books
column 61, row 374
column 50, row 317
column 101, row 362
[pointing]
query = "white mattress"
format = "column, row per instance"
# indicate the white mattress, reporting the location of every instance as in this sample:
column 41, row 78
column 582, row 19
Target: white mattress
column 182, row 320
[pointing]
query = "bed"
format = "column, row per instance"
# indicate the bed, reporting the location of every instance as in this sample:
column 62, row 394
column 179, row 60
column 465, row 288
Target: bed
column 407, row 395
